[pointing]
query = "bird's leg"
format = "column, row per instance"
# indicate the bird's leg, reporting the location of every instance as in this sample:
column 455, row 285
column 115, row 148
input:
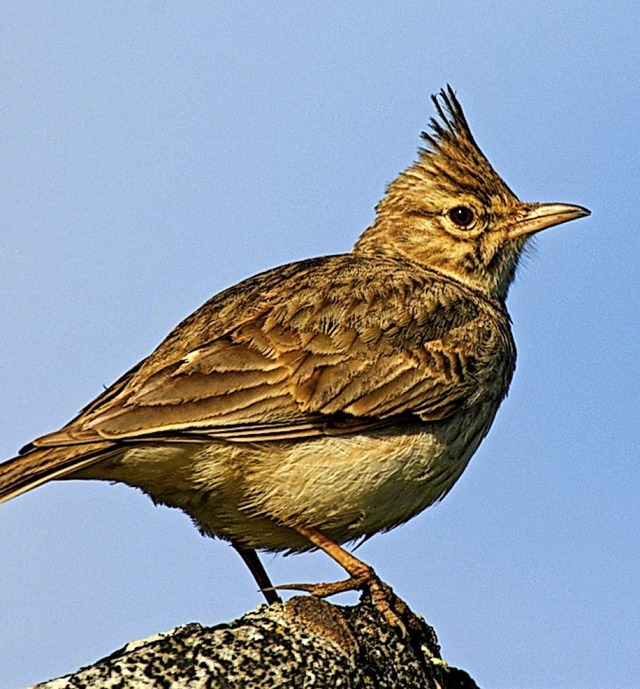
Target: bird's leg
column 259, row 573
column 361, row 577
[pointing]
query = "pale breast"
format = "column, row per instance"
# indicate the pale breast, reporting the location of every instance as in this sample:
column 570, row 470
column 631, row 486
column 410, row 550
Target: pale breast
column 346, row 486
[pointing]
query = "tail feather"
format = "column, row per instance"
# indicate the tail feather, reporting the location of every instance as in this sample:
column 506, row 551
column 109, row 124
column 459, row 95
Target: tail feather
column 41, row 464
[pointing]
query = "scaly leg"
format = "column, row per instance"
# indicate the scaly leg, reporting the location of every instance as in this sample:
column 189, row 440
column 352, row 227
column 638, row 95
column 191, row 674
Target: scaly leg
column 361, row 577
column 256, row 568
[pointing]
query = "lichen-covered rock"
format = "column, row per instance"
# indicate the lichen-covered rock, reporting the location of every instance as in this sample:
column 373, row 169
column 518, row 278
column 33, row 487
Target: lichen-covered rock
column 306, row 643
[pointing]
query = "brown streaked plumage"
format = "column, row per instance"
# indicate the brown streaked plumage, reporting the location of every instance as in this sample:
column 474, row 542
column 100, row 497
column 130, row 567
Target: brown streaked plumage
column 326, row 400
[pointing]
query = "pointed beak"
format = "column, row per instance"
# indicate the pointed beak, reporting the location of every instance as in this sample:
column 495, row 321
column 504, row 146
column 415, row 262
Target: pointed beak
column 540, row 216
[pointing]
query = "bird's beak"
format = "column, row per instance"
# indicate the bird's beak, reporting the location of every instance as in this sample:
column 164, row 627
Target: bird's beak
column 540, row 216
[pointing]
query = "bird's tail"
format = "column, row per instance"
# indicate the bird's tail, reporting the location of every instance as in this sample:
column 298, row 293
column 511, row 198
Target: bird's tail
column 37, row 465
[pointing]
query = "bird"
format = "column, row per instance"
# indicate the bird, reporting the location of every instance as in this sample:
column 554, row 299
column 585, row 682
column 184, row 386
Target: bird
column 321, row 402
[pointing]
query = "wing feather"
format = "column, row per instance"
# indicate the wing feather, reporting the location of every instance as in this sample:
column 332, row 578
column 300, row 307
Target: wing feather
column 317, row 348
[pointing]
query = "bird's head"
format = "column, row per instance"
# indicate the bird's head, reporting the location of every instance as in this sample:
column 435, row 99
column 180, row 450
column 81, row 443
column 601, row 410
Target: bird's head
column 452, row 212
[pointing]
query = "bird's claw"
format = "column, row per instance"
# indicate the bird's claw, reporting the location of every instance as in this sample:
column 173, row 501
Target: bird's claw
column 372, row 587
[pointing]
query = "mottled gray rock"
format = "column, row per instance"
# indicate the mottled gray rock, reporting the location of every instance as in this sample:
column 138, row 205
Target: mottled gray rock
column 306, row 643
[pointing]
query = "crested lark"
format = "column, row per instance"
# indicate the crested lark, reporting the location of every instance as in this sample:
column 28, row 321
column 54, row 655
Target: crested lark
column 323, row 401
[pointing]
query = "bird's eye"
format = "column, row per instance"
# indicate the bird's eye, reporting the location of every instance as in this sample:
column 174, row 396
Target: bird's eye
column 462, row 216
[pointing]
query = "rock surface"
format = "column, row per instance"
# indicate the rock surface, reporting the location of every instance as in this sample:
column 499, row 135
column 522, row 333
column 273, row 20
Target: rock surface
column 303, row 644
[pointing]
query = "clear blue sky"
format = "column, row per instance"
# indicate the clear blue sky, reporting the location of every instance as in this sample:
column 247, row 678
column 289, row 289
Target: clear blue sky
column 153, row 153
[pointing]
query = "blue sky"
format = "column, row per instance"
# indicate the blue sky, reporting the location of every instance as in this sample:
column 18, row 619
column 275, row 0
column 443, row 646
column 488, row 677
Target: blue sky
column 153, row 153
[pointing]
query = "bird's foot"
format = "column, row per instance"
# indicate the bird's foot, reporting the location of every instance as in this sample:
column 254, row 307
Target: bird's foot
column 361, row 578
column 394, row 610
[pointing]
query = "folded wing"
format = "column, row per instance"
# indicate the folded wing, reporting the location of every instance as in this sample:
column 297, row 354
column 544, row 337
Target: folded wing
column 328, row 346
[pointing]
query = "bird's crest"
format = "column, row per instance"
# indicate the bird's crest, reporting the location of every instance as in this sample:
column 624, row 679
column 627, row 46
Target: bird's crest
column 450, row 146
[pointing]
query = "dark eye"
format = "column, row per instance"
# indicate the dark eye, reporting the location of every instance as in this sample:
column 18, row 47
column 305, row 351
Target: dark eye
column 462, row 216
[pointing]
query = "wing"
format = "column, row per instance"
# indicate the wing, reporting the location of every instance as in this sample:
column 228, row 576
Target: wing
column 334, row 345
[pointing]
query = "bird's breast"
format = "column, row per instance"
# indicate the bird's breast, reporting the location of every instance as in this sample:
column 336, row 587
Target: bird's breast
column 347, row 486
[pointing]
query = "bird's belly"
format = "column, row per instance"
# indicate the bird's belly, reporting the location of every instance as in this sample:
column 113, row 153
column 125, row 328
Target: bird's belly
column 346, row 486
column 357, row 486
